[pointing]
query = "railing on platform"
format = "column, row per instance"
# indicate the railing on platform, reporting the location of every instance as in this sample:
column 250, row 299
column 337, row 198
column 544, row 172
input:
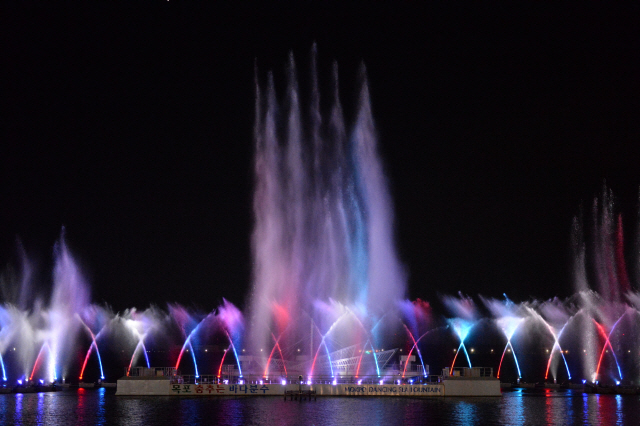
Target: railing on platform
column 306, row 380
column 149, row 372
column 177, row 378
column 474, row 372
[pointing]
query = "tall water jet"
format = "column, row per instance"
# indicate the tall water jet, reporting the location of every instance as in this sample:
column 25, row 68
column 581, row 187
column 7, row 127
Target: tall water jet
column 323, row 214
column 70, row 296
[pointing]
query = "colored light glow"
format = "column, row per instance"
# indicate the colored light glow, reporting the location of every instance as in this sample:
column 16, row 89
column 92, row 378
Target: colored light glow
column 604, row 334
column 409, row 355
column 187, row 342
column 322, row 342
column 509, row 325
column 35, row 365
column 4, row 373
column 139, row 346
column 276, row 345
column 222, row 361
column 415, row 345
column 514, row 357
column 86, row 358
column 461, row 328
column 195, row 364
column 234, row 352
column 94, row 343
column 556, row 344
column 374, row 358
column 605, row 345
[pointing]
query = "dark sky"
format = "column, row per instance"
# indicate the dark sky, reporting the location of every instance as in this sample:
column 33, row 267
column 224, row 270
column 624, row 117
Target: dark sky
column 130, row 123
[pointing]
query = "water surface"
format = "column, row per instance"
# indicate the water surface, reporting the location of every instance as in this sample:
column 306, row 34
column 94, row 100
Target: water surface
column 103, row 407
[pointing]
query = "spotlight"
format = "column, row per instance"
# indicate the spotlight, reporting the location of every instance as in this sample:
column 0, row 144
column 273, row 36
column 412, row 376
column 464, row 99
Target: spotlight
column 284, row 382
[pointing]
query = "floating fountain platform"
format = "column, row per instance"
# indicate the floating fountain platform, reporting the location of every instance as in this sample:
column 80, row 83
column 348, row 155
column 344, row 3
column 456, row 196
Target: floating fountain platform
column 475, row 381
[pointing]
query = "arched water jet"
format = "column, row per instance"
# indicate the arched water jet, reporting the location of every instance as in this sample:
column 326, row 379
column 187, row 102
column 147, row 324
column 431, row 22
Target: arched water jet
column 415, row 345
column 233, row 347
column 276, row 344
column 607, row 342
column 556, row 344
column 322, row 341
column 44, row 346
column 4, row 372
column 514, row 357
column 86, row 358
column 627, row 311
column 373, row 353
column 187, row 342
column 135, row 351
column 373, row 350
column 222, row 361
column 509, row 325
column 94, row 343
column 556, row 338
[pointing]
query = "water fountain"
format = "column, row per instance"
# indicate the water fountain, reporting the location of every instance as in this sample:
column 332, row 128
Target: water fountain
column 328, row 294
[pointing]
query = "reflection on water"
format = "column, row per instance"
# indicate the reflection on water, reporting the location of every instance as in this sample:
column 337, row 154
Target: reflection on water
column 513, row 412
column 18, row 408
column 464, row 412
column 532, row 407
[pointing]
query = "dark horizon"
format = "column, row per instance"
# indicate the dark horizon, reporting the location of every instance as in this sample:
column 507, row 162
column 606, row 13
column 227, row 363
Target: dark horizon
column 131, row 126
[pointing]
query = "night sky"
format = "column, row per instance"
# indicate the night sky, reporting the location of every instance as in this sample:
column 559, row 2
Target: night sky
column 131, row 125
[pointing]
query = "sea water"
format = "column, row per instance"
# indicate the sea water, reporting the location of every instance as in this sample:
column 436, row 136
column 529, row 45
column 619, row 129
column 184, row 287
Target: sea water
column 519, row 407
